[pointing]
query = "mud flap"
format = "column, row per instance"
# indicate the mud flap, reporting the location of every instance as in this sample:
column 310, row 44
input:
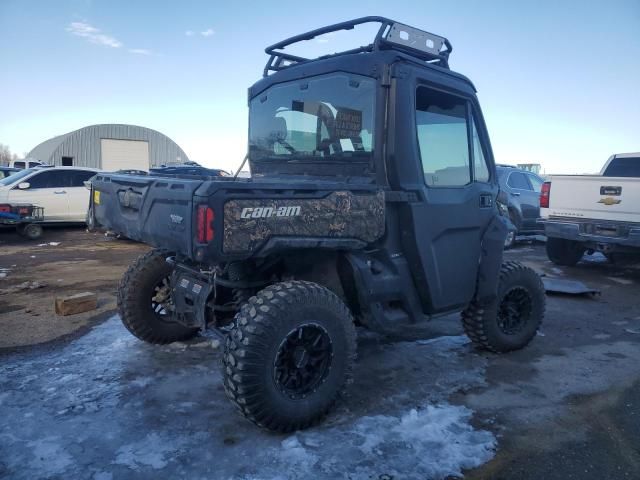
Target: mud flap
column 491, row 259
column 190, row 295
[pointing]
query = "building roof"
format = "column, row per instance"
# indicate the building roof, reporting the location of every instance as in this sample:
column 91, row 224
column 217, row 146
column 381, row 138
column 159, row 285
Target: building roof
column 44, row 151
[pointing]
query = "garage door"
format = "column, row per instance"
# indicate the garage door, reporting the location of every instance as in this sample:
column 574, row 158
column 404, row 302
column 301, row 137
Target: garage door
column 124, row 155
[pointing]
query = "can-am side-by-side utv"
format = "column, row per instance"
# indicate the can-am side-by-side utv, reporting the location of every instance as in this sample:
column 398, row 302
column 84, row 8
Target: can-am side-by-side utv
column 372, row 202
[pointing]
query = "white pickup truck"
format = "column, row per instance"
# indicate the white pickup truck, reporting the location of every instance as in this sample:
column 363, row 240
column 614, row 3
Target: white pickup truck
column 589, row 213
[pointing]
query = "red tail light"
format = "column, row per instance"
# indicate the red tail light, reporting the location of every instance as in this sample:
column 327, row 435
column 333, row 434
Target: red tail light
column 205, row 218
column 545, row 195
column 5, row 208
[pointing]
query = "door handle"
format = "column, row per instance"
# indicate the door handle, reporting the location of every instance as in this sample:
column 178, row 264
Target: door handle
column 515, row 194
column 58, row 192
column 486, row 200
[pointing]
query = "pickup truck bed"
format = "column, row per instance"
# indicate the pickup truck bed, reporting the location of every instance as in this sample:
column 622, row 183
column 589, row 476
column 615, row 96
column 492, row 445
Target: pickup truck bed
column 246, row 217
column 594, row 197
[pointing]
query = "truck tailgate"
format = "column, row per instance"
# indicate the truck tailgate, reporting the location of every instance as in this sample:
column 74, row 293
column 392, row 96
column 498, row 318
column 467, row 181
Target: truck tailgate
column 156, row 211
column 593, row 197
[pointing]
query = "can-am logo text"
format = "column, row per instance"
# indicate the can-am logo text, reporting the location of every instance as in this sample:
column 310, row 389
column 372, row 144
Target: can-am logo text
column 268, row 212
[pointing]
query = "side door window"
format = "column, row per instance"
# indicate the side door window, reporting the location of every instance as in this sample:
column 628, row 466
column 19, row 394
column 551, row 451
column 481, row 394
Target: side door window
column 443, row 141
column 78, row 177
column 480, row 167
column 50, row 179
column 518, row 181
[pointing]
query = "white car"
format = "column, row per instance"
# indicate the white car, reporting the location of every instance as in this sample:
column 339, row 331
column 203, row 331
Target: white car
column 59, row 190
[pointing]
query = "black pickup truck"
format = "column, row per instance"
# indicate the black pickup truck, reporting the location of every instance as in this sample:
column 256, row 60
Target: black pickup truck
column 372, row 202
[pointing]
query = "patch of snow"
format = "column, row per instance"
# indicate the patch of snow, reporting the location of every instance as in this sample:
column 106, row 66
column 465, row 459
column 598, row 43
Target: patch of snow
column 49, row 456
column 153, row 451
column 446, row 341
column 602, row 336
column 142, row 382
column 435, row 442
column 595, row 257
column 103, row 476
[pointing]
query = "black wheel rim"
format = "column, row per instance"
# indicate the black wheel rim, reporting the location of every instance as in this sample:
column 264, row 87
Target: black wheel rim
column 303, row 361
column 161, row 302
column 514, row 311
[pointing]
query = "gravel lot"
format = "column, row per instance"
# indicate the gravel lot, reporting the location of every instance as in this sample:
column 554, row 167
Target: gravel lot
column 99, row 404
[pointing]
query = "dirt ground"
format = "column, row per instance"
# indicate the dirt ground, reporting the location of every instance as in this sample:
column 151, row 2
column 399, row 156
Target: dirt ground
column 65, row 261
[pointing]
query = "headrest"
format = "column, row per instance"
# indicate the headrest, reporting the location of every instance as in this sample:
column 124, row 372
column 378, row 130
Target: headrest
column 278, row 128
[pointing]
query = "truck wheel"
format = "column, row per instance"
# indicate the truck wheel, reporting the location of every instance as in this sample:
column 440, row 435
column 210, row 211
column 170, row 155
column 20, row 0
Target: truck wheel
column 511, row 321
column 289, row 355
column 89, row 220
column 32, row 231
column 564, row 252
column 144, row 301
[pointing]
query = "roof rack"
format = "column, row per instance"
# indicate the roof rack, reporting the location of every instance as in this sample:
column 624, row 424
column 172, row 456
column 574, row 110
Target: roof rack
column 391, row 35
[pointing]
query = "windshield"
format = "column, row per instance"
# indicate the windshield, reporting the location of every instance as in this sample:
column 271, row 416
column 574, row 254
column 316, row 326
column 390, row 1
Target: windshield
column 323, row 118
column 15, row 178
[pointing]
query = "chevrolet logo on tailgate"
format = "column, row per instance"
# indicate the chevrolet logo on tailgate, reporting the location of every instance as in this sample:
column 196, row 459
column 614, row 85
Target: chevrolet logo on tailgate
column 609, row 201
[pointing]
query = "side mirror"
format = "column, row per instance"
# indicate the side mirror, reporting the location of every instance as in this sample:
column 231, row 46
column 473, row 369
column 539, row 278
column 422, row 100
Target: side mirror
column 24, row 186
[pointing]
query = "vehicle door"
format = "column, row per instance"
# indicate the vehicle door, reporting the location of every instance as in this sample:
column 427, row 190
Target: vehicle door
column 448, row 147
column 529, row 201
column 47, row 189
column 78, row 194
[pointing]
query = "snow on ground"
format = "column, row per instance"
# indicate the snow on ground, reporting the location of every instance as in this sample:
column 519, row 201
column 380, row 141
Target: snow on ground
column 433, row 442
column 108, row 406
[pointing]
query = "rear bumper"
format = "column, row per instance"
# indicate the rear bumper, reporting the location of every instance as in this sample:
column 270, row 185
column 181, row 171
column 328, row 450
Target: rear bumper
column 599, row 235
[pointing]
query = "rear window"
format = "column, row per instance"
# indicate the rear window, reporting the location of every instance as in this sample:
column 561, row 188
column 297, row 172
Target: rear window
column 623, row 167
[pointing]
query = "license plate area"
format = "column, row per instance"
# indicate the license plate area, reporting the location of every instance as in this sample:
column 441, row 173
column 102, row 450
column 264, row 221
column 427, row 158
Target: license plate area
column 604, row 230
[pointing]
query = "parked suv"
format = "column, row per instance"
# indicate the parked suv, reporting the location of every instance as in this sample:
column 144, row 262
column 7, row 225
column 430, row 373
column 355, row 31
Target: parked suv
column 59, row 190
column 522, row 198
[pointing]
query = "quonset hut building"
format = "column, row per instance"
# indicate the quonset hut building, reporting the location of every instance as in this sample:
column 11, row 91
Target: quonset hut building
column 110, row 147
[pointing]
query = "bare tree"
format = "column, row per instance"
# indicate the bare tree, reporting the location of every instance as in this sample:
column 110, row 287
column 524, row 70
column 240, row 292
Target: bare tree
column 5, row 154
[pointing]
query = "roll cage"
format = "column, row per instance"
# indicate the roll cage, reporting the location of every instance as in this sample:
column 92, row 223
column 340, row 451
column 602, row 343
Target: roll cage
column 391, row 35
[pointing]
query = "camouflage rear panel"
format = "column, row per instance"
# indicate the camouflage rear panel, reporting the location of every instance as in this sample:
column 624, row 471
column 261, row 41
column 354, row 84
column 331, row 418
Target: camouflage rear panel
column 249, row 223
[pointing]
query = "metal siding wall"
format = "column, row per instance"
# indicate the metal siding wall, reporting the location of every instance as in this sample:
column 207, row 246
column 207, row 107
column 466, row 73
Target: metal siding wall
column 84, row 145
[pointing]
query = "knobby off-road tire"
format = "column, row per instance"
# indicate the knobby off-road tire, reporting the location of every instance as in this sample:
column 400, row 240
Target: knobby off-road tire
column 511, row 321
column 566, row 253
column 135, row 301
column 264, row 355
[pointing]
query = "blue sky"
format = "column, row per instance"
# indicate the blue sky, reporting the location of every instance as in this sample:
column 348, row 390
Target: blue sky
column 559, row 82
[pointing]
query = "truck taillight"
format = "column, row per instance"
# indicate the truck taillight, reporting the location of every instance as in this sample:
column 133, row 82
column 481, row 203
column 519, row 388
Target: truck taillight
column 545, row 194
column 204, row 220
